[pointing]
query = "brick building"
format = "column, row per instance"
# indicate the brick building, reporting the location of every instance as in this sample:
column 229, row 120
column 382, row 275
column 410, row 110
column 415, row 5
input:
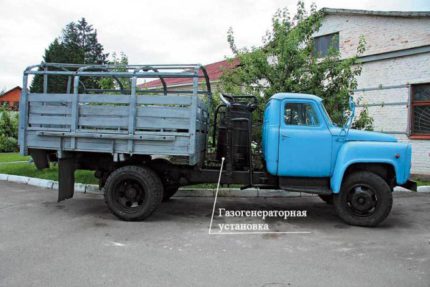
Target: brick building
column 11, row 98
column 395, row 80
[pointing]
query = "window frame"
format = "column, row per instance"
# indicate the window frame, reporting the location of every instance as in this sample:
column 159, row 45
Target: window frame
column 412, row 104
column 314, row 107
column 317, row 52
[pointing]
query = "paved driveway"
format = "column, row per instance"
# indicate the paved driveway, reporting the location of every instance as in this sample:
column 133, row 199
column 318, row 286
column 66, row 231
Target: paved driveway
column 79, row 243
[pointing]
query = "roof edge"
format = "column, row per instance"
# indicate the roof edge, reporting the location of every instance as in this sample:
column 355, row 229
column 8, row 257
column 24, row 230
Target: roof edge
column 10, row 90
column 405, row 14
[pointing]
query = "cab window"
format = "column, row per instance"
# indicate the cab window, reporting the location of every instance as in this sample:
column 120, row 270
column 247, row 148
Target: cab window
column 300, row 114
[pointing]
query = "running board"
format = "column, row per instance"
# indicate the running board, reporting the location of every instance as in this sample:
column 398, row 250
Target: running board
column 317, row 185
column 307, row 189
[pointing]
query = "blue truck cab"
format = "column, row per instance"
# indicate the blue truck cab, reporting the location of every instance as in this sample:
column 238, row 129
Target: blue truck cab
column 301, row 142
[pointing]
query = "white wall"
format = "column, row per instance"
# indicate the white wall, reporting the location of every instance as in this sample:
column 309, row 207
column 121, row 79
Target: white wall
column 384, row 34
column 391, row 72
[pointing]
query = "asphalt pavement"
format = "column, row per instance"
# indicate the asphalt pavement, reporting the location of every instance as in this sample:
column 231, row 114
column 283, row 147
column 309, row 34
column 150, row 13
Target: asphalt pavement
column 78, row 242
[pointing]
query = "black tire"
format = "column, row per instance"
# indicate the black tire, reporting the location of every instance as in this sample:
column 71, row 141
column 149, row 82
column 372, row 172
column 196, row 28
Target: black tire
column 162, row 166
column 327, row 198
column 365, row 199
column 169, row 191
column 133, row 192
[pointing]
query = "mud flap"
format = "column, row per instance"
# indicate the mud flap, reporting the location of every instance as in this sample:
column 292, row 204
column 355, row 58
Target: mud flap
column 66, row 178
column 40, row 158
column 411, row 185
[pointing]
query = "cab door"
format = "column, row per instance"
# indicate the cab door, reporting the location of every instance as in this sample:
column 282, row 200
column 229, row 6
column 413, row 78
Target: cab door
column 304, row 141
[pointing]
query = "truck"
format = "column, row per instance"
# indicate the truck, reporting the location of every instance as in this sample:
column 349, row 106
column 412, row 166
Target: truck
column 145, row 143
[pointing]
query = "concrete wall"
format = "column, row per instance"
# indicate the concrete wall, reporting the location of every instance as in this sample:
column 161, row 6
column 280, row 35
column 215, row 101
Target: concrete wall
column 389, row 106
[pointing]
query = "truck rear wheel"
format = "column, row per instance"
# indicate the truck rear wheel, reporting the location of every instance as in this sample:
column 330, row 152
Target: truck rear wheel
column 133, row 192
column 365, row 199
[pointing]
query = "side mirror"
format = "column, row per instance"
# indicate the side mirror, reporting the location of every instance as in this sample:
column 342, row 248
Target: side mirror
column 352, row 105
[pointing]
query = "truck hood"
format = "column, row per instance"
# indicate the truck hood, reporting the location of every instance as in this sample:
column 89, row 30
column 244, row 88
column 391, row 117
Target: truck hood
column 359, row 135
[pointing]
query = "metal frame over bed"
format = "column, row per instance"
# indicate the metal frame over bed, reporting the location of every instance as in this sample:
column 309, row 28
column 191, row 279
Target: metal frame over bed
column 137, row 120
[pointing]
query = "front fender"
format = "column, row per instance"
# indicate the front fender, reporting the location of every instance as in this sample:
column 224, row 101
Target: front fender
column 372, row 152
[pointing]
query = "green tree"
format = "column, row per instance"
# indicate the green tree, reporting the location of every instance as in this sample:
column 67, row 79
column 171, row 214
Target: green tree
column 80, row 40
column 78, row 44
column 287, row 62
column 55, row 53
column 121, row 62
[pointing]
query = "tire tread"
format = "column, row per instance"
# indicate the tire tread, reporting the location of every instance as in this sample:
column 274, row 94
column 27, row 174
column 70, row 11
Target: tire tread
column 152, row 180
column 380, row 186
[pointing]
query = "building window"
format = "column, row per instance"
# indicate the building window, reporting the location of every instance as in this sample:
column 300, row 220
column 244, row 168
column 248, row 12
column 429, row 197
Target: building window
column 420, row 111
column 300, row 114
column 322, row 44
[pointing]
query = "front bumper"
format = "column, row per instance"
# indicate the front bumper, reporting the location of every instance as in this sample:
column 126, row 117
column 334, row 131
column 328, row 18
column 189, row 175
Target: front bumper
column 410, row 184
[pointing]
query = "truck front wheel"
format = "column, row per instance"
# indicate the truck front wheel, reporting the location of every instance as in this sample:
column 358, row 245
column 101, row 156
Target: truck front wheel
column 365, row 199
column 133, row 192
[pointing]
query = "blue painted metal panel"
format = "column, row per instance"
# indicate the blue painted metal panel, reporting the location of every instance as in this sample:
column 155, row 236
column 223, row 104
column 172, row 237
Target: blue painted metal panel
column 372, row 152
column 304, row 150
column 271, row 136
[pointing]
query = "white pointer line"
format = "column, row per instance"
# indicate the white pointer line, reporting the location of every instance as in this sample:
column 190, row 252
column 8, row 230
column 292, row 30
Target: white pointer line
column 234, row 233
column 261, row 232
column 216, row 194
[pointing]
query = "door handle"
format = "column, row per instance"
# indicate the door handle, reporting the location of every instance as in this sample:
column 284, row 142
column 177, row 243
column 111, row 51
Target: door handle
column 284, row 135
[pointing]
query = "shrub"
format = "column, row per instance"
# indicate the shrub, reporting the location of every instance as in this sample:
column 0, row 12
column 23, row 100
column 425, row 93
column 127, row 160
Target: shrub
column 8, row 144
column 8, row 131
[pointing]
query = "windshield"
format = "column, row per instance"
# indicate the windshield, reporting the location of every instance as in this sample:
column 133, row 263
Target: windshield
column 327, row 115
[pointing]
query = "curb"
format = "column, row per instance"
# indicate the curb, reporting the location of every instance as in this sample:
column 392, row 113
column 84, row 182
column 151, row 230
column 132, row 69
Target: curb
column 183, row 192
column 424, row 188
column 12, row 162
column 46, row 183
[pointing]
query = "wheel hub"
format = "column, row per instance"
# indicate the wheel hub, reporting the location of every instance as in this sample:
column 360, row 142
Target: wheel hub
column 362, row 199
column 130, row 193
